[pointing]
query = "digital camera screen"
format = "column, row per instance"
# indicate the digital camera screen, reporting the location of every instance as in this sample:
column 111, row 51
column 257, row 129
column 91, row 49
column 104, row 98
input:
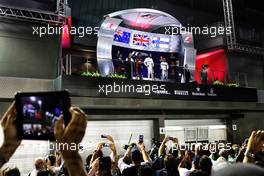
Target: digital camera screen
column 38, row 115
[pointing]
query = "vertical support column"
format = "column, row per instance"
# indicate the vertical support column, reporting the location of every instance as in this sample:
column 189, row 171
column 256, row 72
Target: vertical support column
column 229, row 23
column 70, row 64
column 158, row 124
column 67, row 65
column 189, row 52
column 229, row 130
column 233, row 135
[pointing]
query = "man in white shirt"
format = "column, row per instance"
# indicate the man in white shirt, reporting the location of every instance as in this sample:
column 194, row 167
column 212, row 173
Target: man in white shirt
column 164, row 66
column 148, row 62
column 222, row 161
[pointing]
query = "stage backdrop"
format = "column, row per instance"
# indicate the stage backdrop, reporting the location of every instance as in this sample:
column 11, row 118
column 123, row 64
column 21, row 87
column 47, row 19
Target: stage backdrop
column 217, row 66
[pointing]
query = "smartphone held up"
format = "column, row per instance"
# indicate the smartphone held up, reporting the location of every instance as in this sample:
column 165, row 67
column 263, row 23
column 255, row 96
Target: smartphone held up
column 37, row 113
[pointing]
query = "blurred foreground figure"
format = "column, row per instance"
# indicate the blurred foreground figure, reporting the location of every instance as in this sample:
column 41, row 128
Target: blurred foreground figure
column 241, row 170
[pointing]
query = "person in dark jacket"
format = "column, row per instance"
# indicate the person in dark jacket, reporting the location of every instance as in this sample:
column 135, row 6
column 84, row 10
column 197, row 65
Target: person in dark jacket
column 204, row 74
column 187, row 74
column 168, row 170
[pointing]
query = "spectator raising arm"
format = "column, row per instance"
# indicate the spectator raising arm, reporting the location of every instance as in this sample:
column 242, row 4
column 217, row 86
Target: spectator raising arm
column 145, row 155
column 122, row 163
column 114, row 153
column 94, row 168
column 11, row 142
column 97, row 153
column 72, row 134
column 163, row 146
column 255, row 144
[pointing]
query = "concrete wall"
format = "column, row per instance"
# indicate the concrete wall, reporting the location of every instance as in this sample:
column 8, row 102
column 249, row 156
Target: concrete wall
column 25, row 55
column 251, row 121
column 252, row 65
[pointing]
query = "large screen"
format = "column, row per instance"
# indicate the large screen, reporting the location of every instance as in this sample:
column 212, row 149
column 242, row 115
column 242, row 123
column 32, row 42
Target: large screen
column 43, row 5
column 147, row 41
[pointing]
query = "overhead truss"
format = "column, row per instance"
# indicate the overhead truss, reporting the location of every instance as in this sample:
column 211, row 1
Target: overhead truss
column 56, row 18
column 232, row 43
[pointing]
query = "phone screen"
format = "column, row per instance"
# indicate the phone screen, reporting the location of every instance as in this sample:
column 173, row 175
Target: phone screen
column 38, row 112
column 141, row 138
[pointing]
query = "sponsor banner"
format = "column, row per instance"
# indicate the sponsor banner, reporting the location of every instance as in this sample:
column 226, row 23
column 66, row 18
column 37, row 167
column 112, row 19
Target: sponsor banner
column 123, row 88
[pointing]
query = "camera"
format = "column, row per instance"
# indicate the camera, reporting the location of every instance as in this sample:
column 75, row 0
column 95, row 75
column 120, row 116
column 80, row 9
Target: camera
column 141, row 139
column 37, row 113
column 125, row 147
column 104, row 136
column 106, row 145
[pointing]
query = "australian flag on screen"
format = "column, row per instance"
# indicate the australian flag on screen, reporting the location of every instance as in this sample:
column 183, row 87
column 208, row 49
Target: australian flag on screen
column 141, row 40
column 121, row 36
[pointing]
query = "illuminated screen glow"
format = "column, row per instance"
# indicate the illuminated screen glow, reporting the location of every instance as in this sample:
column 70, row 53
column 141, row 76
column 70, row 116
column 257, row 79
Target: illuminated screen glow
column 139, row 40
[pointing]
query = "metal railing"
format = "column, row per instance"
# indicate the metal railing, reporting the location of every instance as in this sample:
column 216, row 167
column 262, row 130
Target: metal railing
column 72, row 65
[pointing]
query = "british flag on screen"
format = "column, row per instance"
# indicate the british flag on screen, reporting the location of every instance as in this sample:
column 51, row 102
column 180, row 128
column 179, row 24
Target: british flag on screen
column 141, row 40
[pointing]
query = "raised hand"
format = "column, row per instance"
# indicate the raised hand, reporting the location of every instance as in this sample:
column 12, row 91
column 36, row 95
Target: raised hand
column 256, row 141
column 69, row 136
column 11, row 141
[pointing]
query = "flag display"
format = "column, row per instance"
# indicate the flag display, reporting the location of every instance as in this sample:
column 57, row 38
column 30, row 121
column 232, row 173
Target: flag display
column 161, row 42
column 134, row 39
column 141, row 40
column 121, row 36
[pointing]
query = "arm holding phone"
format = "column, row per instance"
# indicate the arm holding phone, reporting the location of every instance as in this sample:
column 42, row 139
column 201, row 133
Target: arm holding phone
column 255, row 144
column 96, row 153
column 146, row 157
column 114, row 152
column 11, row 141
column 73, row 133
column 163, row 146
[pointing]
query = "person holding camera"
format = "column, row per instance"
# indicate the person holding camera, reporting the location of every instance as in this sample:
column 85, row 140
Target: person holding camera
column 72, row 134
column 134, row 154
column 51, row 165
column 104, row 166
column 166, row 163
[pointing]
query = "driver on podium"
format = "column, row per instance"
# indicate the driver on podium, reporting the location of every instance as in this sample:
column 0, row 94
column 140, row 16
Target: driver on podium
column 164, row 66
column 148, row 62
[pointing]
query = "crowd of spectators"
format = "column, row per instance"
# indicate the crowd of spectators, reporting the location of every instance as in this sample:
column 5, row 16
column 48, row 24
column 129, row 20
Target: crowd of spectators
column 163, row 160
